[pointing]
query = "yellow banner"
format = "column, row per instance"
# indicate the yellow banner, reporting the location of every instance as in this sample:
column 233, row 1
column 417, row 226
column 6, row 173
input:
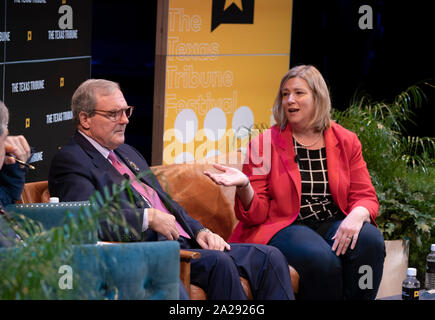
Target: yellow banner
column 224, row 63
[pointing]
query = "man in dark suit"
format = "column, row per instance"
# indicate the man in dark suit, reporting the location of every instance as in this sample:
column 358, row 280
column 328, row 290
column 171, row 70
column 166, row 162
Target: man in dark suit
column 97, row 157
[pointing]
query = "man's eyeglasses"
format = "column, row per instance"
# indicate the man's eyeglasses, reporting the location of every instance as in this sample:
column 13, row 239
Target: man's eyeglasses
column 115, row 115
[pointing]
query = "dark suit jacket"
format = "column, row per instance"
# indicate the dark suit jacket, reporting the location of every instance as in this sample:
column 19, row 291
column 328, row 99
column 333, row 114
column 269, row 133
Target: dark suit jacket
column 78, row 170
column 12, row 179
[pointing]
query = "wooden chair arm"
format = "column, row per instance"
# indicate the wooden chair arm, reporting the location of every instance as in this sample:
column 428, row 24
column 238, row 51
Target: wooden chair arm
column 188, row 255
column 185, row 257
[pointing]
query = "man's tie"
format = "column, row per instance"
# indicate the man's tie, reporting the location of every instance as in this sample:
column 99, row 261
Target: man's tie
column 147, row 192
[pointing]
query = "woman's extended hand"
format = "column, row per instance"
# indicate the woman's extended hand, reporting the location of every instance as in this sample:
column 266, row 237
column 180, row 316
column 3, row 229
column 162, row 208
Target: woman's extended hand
column 228, row 176
column 232, row 177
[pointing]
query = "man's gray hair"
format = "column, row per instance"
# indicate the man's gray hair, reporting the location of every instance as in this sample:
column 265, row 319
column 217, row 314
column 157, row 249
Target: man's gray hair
column 85, row 97
column 4, row 118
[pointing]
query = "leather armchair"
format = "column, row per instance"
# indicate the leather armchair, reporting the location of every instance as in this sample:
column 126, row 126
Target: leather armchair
column 207, row 202
column 35, row 192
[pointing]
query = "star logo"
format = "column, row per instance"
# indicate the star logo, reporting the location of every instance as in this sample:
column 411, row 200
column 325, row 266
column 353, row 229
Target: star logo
column 238, row 3
column 232, row 12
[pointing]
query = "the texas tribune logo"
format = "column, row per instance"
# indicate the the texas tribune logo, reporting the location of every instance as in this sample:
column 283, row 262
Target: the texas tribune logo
column 65, row 23
column 232, row 12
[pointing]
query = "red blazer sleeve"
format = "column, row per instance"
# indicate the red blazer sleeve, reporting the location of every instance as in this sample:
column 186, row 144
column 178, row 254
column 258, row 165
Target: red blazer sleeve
column 257, row 168
column 361, row 191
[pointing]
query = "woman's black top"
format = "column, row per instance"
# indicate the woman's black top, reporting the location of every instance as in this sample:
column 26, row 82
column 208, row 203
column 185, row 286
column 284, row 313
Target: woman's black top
column 317, row 206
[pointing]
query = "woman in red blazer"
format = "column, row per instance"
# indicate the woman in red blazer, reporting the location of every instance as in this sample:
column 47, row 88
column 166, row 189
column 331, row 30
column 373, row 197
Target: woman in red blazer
column 305, row 189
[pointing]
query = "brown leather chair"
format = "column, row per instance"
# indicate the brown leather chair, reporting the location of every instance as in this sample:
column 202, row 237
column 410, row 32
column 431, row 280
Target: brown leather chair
column 35, row 192
column 210, row 204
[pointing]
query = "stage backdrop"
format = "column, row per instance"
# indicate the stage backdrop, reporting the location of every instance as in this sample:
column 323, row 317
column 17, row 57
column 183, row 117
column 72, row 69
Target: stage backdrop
column 218, row 68
column 44, row 55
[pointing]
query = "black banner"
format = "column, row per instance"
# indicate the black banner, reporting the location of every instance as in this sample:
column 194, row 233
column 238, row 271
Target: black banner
column 45, row 51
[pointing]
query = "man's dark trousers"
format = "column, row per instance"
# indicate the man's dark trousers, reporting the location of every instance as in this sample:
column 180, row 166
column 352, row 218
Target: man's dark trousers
column 256, row 263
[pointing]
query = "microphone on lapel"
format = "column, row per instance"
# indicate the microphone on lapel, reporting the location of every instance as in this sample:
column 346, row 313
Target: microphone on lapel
column 297, row 158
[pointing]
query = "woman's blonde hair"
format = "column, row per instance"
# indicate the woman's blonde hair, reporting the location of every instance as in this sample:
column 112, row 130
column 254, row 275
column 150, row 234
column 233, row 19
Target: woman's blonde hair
column 322, row 102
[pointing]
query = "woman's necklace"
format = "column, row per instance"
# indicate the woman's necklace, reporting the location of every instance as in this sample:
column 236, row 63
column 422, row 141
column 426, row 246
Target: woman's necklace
column 309, row 145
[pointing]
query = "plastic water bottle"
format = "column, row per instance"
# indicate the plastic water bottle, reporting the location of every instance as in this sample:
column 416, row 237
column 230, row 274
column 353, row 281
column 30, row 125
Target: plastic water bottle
column 430, row 269
column 54, row 200
column 410, row 286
